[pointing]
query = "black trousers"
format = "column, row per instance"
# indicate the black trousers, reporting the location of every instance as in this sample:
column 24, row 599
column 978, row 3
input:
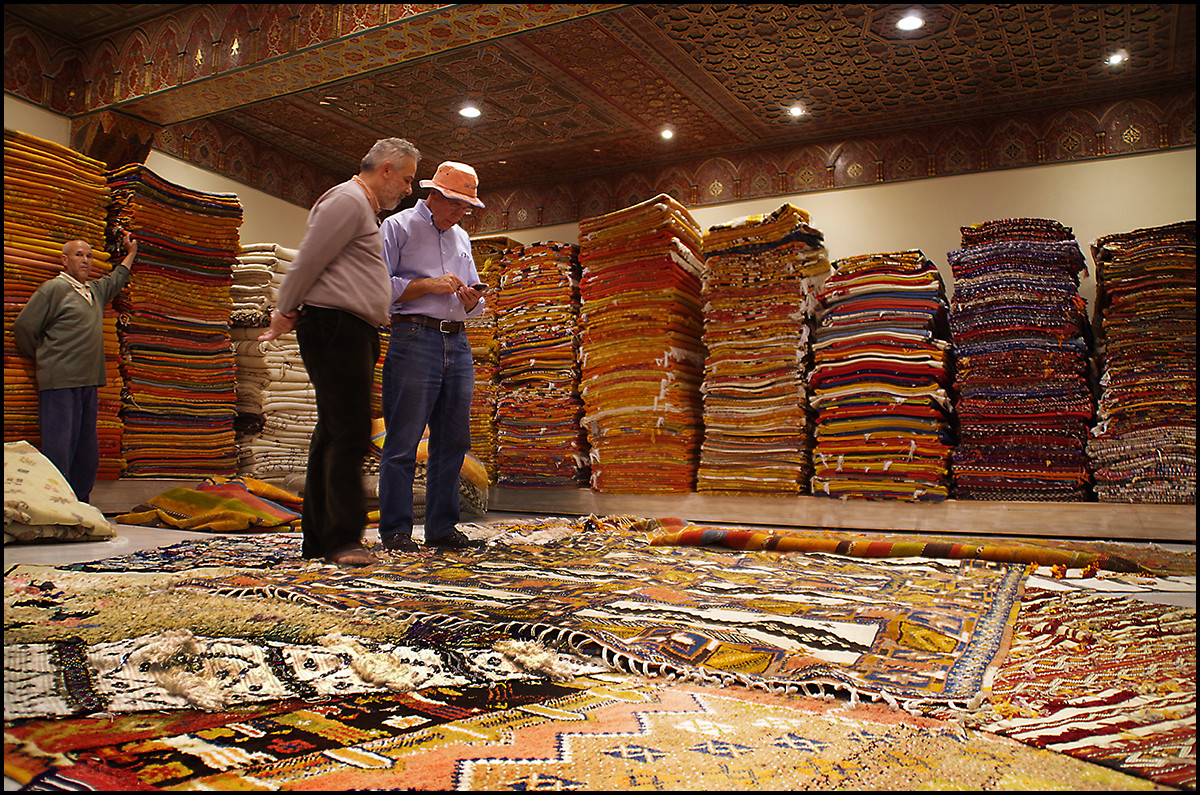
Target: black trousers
column 339, row 351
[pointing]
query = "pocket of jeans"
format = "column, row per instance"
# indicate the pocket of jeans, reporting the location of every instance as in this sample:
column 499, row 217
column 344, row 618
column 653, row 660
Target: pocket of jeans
column 404, row 332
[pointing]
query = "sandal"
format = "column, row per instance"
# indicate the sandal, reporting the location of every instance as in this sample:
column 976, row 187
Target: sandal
column 352, row 558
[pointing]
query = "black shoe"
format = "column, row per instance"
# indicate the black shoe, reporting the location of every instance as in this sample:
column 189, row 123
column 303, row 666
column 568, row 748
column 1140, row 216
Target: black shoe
column 400, row 543
column 456, row 540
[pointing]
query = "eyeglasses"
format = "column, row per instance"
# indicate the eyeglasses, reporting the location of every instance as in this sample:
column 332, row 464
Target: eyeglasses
column 460, row 205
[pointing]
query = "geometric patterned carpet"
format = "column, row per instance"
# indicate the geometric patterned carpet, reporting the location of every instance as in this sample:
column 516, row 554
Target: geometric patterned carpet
column 1103, row 678
column 607, row 732
column 570, row 654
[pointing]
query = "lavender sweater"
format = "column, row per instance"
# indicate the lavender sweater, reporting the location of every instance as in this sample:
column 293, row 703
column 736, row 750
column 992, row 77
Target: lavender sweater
column 340, row 262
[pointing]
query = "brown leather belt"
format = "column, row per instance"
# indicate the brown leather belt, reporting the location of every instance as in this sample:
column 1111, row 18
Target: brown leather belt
column 444, row 326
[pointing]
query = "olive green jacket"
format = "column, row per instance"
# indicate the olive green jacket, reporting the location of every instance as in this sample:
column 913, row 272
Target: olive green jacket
column 64, row 334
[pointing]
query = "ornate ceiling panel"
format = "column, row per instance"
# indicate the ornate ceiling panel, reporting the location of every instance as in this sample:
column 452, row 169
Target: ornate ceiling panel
column 571, row 92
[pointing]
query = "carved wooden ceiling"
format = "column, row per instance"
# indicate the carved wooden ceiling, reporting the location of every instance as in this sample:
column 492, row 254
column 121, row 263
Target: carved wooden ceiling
column 571, row 91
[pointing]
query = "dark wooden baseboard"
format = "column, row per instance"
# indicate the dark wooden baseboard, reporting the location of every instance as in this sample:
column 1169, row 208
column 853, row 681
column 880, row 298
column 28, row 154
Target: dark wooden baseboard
column 1085, row 520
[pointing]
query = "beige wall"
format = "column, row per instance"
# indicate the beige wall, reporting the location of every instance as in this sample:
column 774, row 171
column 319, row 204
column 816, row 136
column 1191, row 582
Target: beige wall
column 265, row 219
column 1094, row 198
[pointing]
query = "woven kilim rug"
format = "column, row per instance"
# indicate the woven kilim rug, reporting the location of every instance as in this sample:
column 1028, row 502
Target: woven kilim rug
column 1106, row 679
column 602, row 733
column 87, row 642
column 238, row 625
column 907, row 632
column 1051, row 554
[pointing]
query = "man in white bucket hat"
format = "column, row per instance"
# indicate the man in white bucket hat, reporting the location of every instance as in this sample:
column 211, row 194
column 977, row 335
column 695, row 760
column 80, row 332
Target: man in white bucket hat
column 428, row 372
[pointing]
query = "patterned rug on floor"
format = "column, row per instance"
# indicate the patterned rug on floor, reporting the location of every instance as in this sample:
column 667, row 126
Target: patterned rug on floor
column 1047, row 554
column 1103, row 678
column 265, row 625
column 601, row 733
column 905, row 631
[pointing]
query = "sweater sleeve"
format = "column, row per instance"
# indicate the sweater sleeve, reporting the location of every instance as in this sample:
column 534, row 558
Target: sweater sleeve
column 107, row 287
column 31, row 321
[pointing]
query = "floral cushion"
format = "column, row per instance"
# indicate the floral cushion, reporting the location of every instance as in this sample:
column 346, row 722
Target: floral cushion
column 39, row 503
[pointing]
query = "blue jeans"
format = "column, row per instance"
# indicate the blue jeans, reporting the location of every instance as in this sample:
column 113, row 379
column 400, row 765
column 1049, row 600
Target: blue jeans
column 428, row 379
column 67, row 422
column 339, row 352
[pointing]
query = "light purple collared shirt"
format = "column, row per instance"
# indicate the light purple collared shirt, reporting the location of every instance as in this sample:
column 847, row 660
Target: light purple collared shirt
column 414, row 248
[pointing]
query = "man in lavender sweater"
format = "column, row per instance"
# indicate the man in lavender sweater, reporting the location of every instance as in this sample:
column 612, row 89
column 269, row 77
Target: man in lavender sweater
column 336, row 295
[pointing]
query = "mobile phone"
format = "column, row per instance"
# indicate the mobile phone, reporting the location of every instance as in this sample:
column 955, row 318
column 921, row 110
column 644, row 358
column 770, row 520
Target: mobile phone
column 480, row 287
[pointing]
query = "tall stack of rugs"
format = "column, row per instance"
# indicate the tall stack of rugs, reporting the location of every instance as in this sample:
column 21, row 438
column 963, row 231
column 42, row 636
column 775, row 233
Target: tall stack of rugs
column 276, row 402
column 53, row 195
column 180, row 396
column 539, row 439
column 880, row 381
column 1143, row 446
column 641, row 346
column 1021, row 346
column 488, row 253
column 761, row 278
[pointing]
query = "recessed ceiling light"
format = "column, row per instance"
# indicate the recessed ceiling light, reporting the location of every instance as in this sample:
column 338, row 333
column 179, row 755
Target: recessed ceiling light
column 1117, row 58
column 470, row 111
column 796, row 110
column 910, row 21
column 667, row 133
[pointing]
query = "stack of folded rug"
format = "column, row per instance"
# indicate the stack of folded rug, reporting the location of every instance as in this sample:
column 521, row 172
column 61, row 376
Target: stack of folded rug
column 53, row 195
column 761, row 278
column 1143, row 447
column 540, row 440
column 1021, row 345
column 879, row 381
column 257, row 271
column 642, row 353
column 177, row 356
column 277, row 407
column 488, row 253
column 255, row 284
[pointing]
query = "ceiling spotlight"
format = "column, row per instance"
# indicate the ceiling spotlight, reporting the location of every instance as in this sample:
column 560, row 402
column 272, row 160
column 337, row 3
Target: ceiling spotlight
column 1117, row 58
column 910, row 21
column 668, row 133
column 470, row 111
column 796, row 110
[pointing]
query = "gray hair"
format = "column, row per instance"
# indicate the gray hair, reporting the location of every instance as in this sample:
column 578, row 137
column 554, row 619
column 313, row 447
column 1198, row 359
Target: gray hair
column 389, row 150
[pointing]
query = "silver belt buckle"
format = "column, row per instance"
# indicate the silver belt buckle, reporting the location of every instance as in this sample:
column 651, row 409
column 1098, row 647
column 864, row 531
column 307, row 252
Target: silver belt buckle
column 442, row 326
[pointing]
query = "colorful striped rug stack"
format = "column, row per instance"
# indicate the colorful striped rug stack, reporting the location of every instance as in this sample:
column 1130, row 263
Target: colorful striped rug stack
column 762, row 275
column 488, row 253
column 540, row 441
column 880, row 379
column 1143, row 446
column 641, row 349
column 53, row 195
column 1021, row 346
column 180, row 396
